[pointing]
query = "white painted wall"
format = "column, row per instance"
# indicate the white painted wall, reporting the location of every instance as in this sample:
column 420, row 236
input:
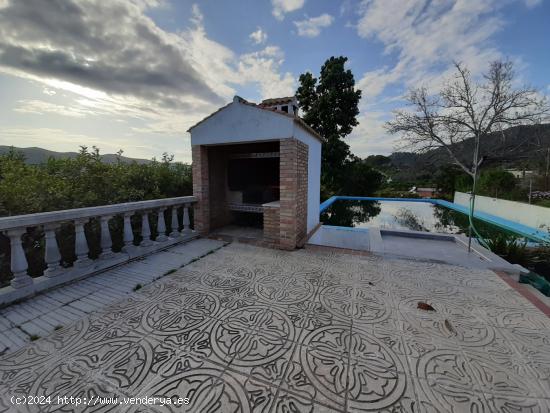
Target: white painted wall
column 242, row 123
column 530, row 215
column 313, row 175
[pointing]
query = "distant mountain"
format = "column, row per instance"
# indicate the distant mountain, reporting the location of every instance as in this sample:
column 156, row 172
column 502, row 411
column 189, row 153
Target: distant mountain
column 38, row 155
column 519, row 147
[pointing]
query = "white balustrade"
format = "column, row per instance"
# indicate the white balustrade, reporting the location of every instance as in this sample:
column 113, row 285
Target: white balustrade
column 51, row 254
column 19, row 263
column 106, row 242
column 81, row 244
column 186, row 222
column 161, row 226
column 145, row 230
column 128, row 237
column 15, row 226
column 175, row 224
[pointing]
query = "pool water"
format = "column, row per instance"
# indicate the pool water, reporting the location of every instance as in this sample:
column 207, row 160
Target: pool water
column 403, row 215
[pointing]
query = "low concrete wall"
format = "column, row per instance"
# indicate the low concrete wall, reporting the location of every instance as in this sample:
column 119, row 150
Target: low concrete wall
column 530, row 215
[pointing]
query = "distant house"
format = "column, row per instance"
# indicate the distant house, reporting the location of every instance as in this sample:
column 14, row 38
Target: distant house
column 521, row 174
column 423, row 192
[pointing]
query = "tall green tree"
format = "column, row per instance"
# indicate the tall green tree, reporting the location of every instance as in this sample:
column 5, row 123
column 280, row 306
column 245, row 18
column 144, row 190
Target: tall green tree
column 330, row 106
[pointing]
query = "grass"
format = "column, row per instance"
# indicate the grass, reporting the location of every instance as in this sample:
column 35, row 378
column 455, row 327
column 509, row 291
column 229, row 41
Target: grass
column 138, row 287
column 34, row 337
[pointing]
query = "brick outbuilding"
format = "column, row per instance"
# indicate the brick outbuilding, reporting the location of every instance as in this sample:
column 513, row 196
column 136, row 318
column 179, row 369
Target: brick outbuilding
column 257, row 166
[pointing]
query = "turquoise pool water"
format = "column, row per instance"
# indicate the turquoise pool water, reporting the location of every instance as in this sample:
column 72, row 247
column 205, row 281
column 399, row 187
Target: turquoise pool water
column 404, row 215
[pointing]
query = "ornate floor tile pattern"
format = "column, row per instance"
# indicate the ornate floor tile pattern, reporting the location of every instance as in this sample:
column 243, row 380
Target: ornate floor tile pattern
column 249, row 329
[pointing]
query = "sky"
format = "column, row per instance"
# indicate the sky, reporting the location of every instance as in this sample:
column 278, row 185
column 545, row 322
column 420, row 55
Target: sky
column 135, row 75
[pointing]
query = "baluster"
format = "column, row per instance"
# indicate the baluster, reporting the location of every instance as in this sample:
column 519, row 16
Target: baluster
column 128, row 233
column 175, row 224
column 186, row 222
column 19, row 263
column 52, row 255
column 106, row 242
column 145, row 230
column 161, row 226
column 81, row 244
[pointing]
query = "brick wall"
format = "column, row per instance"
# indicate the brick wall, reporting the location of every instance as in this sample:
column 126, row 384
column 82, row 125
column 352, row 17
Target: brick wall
column 286, row 226
column 271, row 224
column 201, row 189
column 301, row 207
column 293, row 199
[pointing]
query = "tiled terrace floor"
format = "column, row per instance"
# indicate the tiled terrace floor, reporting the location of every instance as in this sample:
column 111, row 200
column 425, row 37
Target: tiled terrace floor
column 251, row 329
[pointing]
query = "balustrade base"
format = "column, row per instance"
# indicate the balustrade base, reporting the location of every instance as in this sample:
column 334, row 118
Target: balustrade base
column 82, row 262
column 21, row 280
column 107, row 255
column 161, row 238
column 82, row 269
column 53, row 272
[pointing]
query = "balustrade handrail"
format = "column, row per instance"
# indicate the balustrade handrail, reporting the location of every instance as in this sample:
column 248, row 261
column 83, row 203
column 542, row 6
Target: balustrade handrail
column 41, row 218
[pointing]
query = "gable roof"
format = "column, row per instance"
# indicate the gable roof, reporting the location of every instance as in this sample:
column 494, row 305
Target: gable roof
column 237, row 99
column 277, row 101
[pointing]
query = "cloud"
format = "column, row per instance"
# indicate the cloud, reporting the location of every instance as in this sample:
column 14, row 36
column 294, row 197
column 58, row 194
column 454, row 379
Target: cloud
column 281, row 7
column 109, row 46
column 263, row 67
column 312, row 27
column 110, row 59
column 532, row 3
column 40, row 107
column 427, row 36
column 423, row 37
column 259, row 36
column 370, row 136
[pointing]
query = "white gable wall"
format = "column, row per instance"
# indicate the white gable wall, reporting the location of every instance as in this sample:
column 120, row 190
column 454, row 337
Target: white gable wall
column 242, row 123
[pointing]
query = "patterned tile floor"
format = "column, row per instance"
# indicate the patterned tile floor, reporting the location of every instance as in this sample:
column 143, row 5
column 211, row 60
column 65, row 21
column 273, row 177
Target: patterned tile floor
column 249, row 329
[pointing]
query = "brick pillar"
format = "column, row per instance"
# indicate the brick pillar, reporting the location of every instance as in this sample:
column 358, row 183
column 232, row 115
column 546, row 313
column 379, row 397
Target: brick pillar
column 201, row 189
column 271, row 223
column 293, row 193
column 288, row 186
column 301, row 196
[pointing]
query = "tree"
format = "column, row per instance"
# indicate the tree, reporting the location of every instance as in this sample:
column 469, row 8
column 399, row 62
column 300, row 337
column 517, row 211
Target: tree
column 330, row 106
column 495, row 181
column 362, row 180
column 447, row 179
column 465, row 110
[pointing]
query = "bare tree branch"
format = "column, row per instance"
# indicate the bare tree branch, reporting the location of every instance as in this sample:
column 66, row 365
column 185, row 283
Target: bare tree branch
column 465, row 109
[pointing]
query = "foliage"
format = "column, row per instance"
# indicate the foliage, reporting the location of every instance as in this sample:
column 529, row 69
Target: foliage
column 509, row 248
column 378, row 161
column 81, row 182
column 448, row 178
column 361, row 179
column 330, row 106
column 86, row 181
column 495, row 181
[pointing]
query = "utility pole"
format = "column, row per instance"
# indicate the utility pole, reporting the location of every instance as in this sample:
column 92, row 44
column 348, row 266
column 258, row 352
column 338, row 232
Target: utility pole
column 547, row 169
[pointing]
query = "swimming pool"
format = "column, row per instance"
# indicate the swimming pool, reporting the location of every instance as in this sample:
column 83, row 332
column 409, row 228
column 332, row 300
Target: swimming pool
column 414, row 215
